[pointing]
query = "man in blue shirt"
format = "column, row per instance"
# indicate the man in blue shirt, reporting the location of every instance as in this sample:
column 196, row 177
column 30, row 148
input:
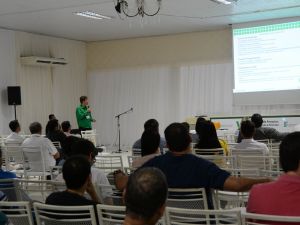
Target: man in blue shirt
column 185, row 170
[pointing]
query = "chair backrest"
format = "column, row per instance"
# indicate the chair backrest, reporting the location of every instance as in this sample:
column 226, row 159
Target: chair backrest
column 13, row 155
column 109, row 163
column 262, row 219
column 136, row 152
column 112, row 215
column 213, row 151
column 11, row 143
column 58, row 215
column 90, row 135
column 54, row 171
column 223, row 161
column 109, row 194
column 36, row 190
column 10, row 189
column 35, row 161
column 229, row 199
column 249, row 162
column 188, row 198
column 17, row 212
column 179, row 216
column 56, row 144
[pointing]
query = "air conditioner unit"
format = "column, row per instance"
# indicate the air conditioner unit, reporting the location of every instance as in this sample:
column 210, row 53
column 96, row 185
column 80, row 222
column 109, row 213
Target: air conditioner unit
column 42, row 61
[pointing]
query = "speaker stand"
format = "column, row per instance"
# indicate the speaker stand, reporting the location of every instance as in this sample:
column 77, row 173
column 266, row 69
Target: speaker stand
column 15, row 108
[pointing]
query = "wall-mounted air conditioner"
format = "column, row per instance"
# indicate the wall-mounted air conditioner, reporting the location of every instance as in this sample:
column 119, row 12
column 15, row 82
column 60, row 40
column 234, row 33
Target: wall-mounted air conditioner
column 42, row 61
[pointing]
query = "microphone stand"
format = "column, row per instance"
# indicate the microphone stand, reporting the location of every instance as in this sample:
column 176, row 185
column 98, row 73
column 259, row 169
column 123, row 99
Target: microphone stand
column 119, row 128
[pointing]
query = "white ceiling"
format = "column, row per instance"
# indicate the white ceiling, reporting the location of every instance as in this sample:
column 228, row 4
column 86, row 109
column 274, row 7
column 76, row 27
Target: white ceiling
column 56, row 18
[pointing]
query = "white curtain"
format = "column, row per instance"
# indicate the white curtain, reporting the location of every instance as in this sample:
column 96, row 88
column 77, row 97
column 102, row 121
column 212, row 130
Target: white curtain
column 166, row 93
column 47, row 90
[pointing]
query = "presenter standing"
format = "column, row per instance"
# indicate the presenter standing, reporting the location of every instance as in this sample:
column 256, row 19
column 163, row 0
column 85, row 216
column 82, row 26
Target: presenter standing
column 84, row 115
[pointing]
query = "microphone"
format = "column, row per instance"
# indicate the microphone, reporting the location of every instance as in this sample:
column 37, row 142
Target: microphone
column 131, row 109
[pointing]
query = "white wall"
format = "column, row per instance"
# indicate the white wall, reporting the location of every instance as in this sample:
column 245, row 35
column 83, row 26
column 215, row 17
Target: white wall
column 7, row 76
column 44, row 90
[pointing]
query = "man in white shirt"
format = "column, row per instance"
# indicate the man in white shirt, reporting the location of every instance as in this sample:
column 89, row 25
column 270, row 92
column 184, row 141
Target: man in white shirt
column 14, row 137
column 37, row 140
column 247, row 132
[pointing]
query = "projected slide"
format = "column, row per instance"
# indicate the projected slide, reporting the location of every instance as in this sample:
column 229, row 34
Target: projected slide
column 267, row 58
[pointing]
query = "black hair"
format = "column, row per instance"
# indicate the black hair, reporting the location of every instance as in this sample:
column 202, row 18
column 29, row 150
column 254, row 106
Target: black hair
column 76, row 170
column 247, row 129
column 82, row 99
column 257, row 120
column 51, row 117
column 52, row 125
column 83, row 147
column 146, row 192
column 207, row 134
column 35, row 128
column 14, row 125
column 289, row 152
column 151, row 125
column 187, row 125
column 65, row 126
column 177, row 137
column 67, row 144
column 149, row 142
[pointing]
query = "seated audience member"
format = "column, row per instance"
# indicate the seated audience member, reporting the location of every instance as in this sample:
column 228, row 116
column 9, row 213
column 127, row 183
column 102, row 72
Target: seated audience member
column 153, row 126
column 14, row 137
column 5, row 174
column 77, row 175
column 66, row 128
column 208, row 138
column 51, row 117
column 194, row 137
column 54, row 133
column 185, row 170
column 145, row 197
column 150, row 148
column 247, row 132
column 262, row 133
column 281, row 197
column 37, row 140
column 87, row 149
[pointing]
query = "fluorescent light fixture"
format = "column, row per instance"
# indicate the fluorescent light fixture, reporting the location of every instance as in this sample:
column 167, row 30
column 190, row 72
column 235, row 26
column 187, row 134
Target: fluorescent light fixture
column 225, row 2
column 92, row 15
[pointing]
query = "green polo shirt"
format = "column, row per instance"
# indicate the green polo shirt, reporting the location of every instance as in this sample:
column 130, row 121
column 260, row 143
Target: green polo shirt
column 84, row 117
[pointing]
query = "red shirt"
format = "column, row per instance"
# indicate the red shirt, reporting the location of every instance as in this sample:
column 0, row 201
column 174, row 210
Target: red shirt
column 281, row 197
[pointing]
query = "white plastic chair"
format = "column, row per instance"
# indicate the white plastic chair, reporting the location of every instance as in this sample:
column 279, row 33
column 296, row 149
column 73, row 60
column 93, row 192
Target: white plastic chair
column 262, row 219
column 34, row 162
column 10, row 189
column 109, row 163
column 188, row 198
column 17, row 212
column 108, row 214
column 90, row 135
column 223, row 161
column 229, row 200
column 63, row 215
column 13, row 158
column 177, row 216
column 113, row 195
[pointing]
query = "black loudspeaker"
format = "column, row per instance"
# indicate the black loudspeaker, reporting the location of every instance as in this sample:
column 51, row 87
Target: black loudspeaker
column 14, row 95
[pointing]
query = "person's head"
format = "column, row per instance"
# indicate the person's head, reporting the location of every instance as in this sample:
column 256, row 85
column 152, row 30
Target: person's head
column 52, row 117
column 149, row 142
column 187, row 125
column 53, row 125
column 85, row 148
column 151, row 125
column 145, row 195
column 199, row 124
column 35, row 128
column 177, row 137
column 257, row 120
column 76, row 172
column 84, row 100
column 289, row 152
column 247, row 129
column 14, row 126
column 207, row 134
column 66, row 126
